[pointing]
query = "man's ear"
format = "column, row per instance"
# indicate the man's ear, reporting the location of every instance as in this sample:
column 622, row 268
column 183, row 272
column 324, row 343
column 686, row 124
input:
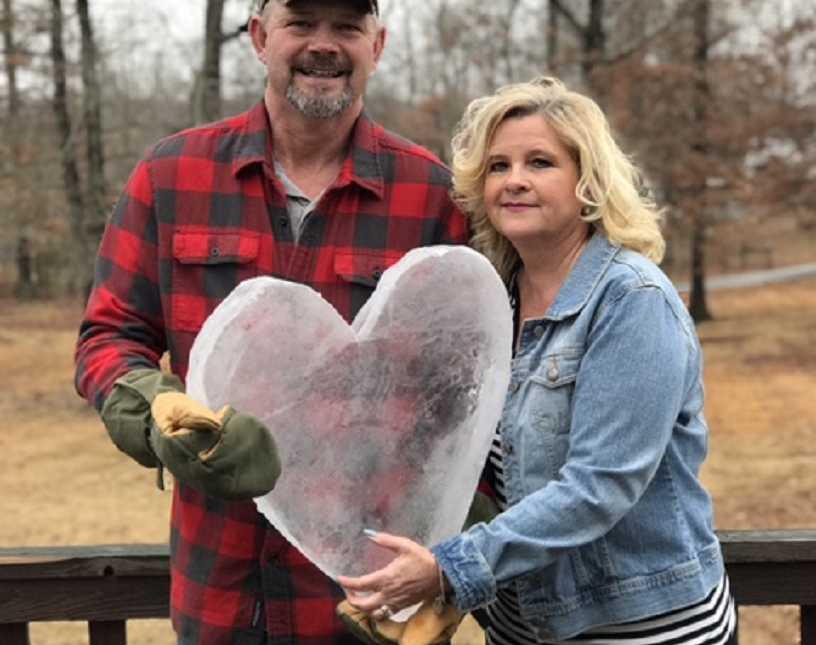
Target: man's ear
column 379, row 44
column 257, row 33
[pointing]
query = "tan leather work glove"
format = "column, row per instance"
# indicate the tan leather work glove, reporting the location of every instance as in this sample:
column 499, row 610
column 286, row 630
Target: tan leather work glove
column 430, row 625
column 224, row 454
column 427, row 626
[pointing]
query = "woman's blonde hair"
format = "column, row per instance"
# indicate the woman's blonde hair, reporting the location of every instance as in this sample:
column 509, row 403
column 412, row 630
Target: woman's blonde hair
column 609, row 184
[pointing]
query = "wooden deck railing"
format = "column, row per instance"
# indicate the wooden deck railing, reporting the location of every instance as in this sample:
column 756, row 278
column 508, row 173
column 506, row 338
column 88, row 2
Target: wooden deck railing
column 109, row 585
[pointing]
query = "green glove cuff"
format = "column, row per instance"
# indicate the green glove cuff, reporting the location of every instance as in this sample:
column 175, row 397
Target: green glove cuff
column 238, row 462
column 126, row 412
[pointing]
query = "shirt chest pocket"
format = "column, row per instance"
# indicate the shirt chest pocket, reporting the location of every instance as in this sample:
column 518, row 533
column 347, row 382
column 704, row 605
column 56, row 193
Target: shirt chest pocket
column 552, row 385
column 361, row 268
column 206, row 267
column 358, row 273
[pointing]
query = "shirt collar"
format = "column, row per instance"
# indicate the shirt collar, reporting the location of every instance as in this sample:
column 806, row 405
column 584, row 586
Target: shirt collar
column 361, row 166
column 584, row 277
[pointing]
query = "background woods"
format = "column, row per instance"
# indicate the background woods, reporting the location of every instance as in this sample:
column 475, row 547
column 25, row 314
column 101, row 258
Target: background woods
column 716, row 100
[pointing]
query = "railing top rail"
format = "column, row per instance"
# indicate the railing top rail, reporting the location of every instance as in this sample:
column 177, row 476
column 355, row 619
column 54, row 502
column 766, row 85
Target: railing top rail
column 123, row 560
column 781, row 546
column 790, row 545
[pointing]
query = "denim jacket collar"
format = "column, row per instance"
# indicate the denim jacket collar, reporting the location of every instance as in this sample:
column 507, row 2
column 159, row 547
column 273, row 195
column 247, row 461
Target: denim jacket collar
column 581, row 281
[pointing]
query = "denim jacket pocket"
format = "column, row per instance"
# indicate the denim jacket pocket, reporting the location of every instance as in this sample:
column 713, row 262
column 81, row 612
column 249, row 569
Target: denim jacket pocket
column 553, row 382
column 546, row 417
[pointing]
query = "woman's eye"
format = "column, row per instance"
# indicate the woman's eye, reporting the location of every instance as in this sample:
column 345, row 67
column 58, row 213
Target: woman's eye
column 541, row 162
column 497, row 166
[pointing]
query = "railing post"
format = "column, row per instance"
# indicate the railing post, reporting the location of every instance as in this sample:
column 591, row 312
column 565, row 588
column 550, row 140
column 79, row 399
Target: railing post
column 107, row 632
column 14, row 634
column 808, row 623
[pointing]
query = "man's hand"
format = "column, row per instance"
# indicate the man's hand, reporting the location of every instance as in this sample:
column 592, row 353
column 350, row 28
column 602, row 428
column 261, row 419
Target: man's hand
column 224, row 454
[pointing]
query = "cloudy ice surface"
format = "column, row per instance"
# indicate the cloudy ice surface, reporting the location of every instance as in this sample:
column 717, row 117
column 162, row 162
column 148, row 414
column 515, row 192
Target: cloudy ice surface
column 382, row 425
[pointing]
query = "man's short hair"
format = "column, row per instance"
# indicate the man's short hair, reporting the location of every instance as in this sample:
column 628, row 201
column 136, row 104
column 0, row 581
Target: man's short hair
column 367, row 6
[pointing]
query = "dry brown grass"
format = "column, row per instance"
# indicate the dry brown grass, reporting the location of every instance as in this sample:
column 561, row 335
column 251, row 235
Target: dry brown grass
column 64, row 483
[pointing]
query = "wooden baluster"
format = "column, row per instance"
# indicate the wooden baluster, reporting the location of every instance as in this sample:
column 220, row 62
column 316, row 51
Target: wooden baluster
column 14, row 634
column 107, row 632
column 808, row 624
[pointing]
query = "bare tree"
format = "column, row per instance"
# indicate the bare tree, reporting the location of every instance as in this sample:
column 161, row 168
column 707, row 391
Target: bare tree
column 591, row 34
column 70, row 172
column 698, row 306
column 206, row 99
column 10, row 62
column 24, row 284
column 96, row 187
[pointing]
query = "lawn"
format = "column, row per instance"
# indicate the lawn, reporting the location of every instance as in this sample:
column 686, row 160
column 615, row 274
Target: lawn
column 64, row 483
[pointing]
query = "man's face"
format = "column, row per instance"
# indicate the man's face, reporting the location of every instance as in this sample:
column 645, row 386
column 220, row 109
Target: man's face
column 318, row 54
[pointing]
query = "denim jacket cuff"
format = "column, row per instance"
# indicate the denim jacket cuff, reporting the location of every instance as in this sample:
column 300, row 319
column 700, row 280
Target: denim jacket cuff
column 467, row 571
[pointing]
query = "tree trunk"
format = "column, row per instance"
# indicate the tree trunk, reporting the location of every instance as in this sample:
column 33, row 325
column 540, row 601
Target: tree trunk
column 594, row 41
column 83, row 266
column 10, row 60
column 23, row 286
column 507, row 41
column 209, row 108
column 552, row 38
column 702, row 95
column 96, row 190
column 592, row 37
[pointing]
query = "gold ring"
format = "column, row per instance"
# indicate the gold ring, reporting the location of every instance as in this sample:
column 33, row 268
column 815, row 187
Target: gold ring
column 383, row 613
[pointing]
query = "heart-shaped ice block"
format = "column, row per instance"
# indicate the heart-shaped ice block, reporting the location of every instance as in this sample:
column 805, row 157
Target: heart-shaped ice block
column 383, row 424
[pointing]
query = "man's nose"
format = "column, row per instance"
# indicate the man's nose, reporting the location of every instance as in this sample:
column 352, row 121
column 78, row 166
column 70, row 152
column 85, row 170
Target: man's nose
column 323, row 41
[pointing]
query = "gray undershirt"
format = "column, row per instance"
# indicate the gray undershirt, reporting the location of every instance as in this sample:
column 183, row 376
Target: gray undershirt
column 298, row 205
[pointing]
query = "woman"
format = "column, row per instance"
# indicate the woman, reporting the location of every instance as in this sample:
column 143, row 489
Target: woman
column 605, row 533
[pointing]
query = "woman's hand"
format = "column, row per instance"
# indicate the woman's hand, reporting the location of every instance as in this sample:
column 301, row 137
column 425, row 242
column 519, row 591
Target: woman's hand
column 410, row 578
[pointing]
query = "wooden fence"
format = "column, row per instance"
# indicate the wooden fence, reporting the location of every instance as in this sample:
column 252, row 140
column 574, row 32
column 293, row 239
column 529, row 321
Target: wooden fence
column 109, row 585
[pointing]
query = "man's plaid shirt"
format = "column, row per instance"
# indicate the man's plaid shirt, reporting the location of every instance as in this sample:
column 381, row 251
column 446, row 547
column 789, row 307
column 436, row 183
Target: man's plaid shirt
column 201, row 212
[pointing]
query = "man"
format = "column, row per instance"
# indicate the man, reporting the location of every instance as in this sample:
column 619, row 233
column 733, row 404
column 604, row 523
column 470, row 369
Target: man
column 304, row 187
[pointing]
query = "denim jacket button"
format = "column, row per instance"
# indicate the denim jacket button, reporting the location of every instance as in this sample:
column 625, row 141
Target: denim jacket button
column 552, row 373
column 539, row 331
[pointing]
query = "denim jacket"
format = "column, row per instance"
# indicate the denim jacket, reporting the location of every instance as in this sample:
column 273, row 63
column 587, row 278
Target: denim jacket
column 603, row 437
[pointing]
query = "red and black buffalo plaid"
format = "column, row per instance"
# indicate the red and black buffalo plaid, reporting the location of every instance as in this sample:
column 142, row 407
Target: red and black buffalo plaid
column 201, row 212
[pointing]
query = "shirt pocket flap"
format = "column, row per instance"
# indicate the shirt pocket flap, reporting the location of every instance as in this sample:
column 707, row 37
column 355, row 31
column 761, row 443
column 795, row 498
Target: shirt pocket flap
column 363, row 267
column 558, row 369
column 206, row 247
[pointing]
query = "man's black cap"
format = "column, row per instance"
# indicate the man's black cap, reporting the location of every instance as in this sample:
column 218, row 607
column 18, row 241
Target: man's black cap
column 368, row 6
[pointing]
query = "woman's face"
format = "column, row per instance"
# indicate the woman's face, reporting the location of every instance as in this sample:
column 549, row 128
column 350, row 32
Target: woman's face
column 529, row 189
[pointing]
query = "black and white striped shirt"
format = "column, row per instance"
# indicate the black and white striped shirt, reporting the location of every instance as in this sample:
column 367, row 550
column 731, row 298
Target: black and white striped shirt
column 709, row 622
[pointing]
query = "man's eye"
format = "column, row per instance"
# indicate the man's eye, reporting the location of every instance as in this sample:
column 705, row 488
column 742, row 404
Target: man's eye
column 350, row 27
column 300, row 24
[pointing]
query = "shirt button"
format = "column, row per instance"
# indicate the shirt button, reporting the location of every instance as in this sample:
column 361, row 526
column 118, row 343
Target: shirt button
column 539, row 331
column 215, row 251
column 377, row 274
column 283, row 222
